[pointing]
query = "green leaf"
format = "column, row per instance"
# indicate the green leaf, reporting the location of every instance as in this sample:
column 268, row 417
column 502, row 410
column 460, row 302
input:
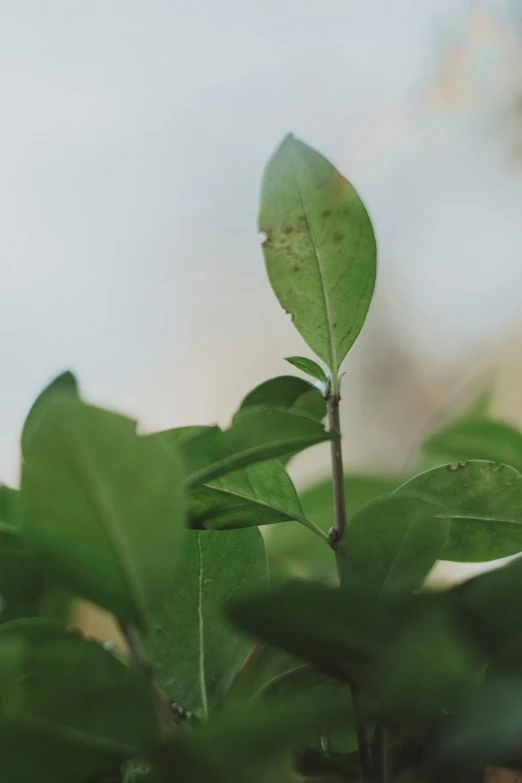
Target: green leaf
column 288, row 391
column 310, row 368
column 319, row 250
column 263, row 665
column 102, row 507
column 321, row 625
column 305, row 678
column 194, row 651
column 257, row 434
column 479, row 439
column 21, row 580
column 292, row 552
column 485, row 731
column 261, row 494
column 391, row 544
column 484, row 504
column 249, row 742
column 9, row 506
column 69, row 709
column 63, row 386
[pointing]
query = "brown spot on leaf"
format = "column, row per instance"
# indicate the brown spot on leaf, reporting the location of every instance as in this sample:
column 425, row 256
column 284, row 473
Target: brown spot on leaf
column 326, row 213
column 337, row 237
column 296, row 269
column 289, row 230
column 457, row 466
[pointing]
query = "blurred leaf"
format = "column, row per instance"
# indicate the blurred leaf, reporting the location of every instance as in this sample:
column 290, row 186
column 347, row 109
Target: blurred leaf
column 310, row 368
column 484, row 503
column 427, row 665
column 249, row 742
column 195, row 653
column 478, row 439
column 319, row 249
column 257, row 434
column 288, row 391
column 64, row 386
column 342, row 737
column 293, row 552
column 102, row 507
column 391, row 544
column 9, row 506
column 263, row 665
column 21, row 580
column 69, row 709
column 336, row 632
column 261, row 494
column 486, row 729
column 489, row 607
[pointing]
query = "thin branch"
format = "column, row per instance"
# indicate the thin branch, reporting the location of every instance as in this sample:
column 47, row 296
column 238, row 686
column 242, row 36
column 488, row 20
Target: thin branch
column 336, row 453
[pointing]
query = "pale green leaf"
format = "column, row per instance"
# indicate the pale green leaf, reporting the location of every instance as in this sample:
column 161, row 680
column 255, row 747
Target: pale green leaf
column 478, row 439
column 288, row 392
column 484, row 504
column 319, row 250
column 310, row 368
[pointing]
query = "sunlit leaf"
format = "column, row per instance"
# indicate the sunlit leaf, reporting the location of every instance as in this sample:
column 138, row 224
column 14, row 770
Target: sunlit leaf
column 102, row 507
column 195, row 653
column 319, row 250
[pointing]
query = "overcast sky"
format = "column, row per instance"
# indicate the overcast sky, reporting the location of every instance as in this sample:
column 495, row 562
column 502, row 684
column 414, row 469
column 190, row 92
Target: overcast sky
column 133, row 136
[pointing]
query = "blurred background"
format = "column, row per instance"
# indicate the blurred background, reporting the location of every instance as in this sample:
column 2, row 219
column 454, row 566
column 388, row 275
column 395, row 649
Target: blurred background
column 133, row 137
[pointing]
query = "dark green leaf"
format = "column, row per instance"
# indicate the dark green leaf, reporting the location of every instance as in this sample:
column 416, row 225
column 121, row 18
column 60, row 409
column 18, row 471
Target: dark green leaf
column 260, row 494
column 257, row 434
column 288, row 392
column 310, row 368
column 484, row 504
column 391, row 544
column 319, row 249
column 64, row 386
column 263, row 665
column 486, row 729
column 327, row 627
column 479, row 439
column 305, row 678
column 9, row 506
column 69, row 709
column 194, row 651
column 102, row 507
column 21, row 580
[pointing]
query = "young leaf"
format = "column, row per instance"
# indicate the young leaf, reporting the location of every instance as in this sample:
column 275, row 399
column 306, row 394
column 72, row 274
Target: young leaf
column 194, row 651
column 64, row 386
column 391, row 544
column 479, row 439
column 484, row 504
column 261, row 494
column 288, row 391
column 310, row 368
column 257, row 434
column 102, row 507
column 319, row 250
column 70, row 710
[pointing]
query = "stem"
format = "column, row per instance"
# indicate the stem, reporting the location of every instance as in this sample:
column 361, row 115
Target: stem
column 382, row 750
column 135, row 648
column 336, row 534
column 336, row 452
column 362, row 739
